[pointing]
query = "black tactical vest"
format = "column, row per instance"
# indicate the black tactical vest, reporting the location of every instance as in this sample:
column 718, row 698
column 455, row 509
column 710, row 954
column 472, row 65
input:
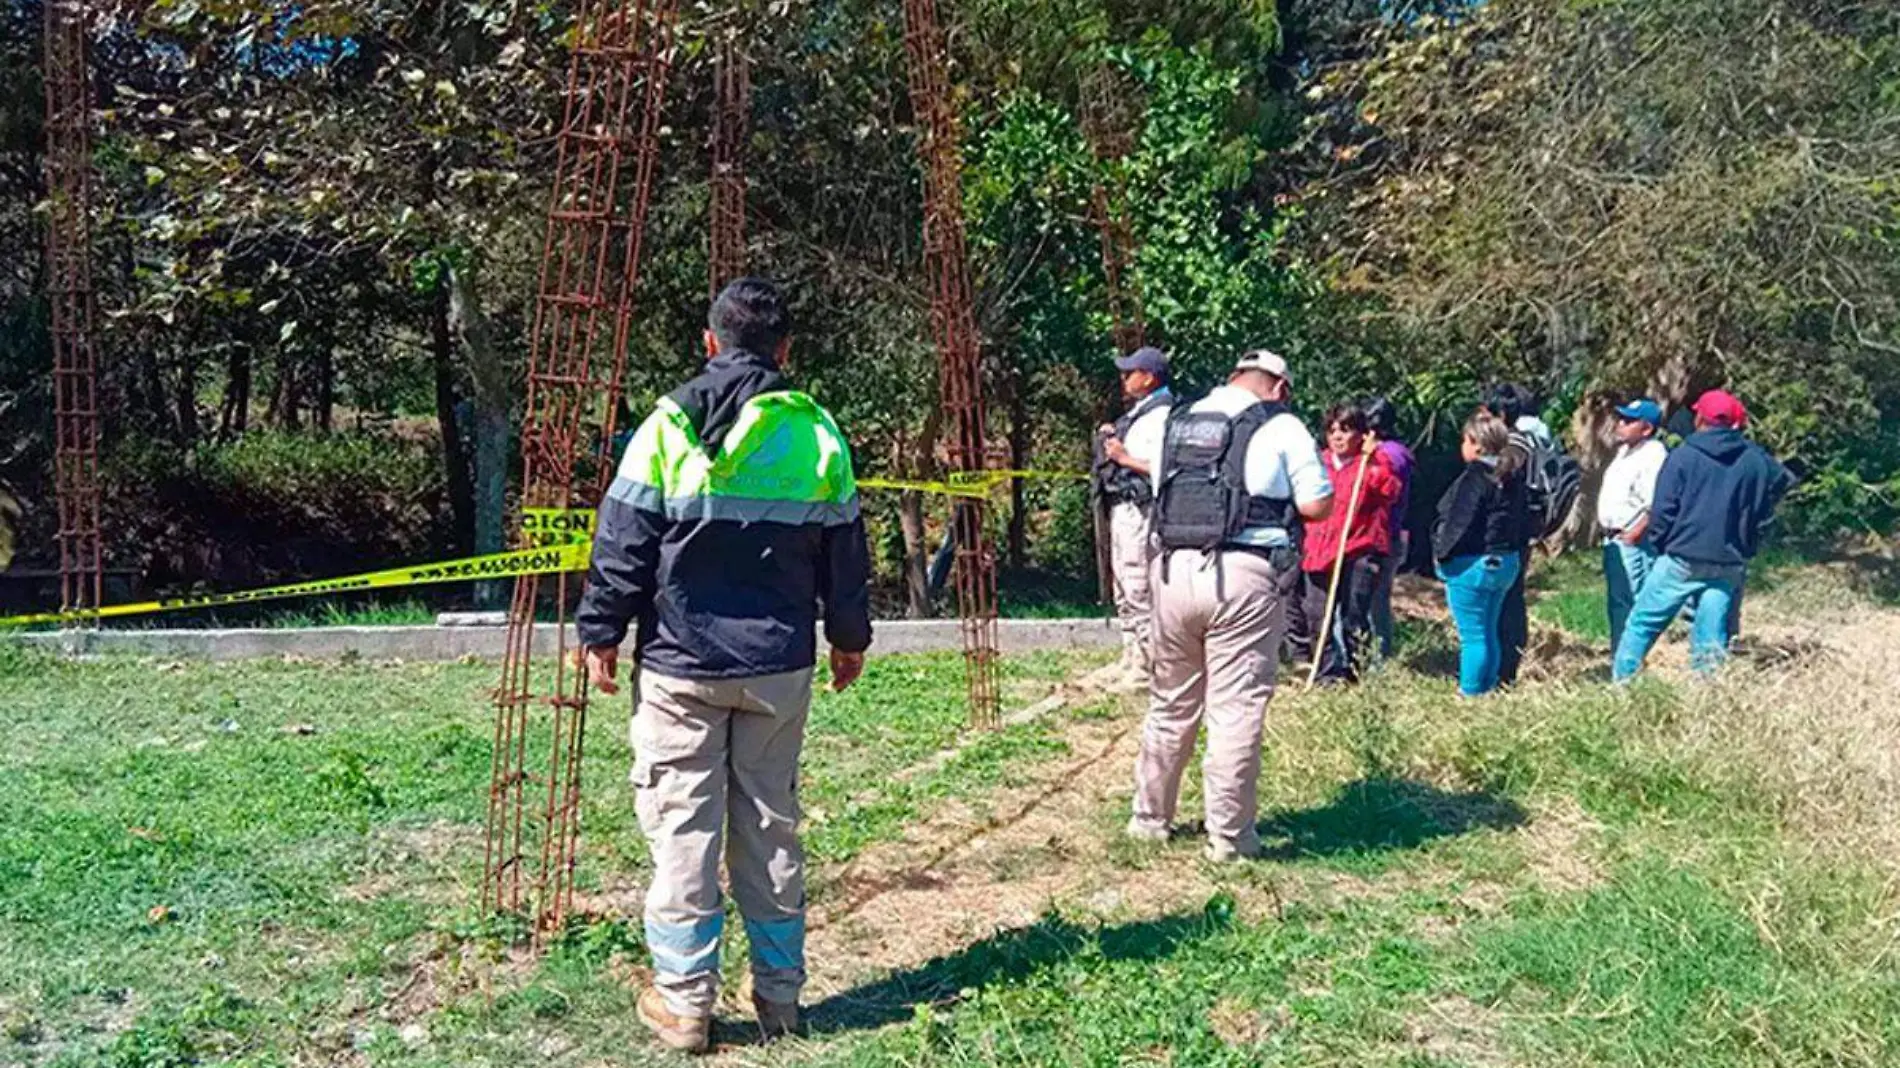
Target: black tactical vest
column 1118, row 484
column 1202, row 500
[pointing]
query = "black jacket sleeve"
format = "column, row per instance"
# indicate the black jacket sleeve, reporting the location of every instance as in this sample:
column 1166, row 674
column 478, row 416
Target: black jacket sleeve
column 1459, row 509
column 844, row 586
column 624, row 572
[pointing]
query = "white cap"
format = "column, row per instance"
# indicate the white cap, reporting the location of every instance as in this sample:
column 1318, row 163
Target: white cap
column 1264, row 360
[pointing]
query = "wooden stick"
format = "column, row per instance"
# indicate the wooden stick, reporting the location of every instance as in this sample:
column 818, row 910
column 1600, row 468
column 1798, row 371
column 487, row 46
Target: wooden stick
column 1339, row 568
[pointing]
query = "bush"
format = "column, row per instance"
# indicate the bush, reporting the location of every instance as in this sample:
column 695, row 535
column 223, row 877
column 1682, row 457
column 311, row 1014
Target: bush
column 275, row 505
column 1066, row 546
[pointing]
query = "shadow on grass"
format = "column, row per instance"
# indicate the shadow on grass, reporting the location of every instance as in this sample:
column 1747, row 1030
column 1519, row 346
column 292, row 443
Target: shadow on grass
column 1383, row 813
column 1008, row 957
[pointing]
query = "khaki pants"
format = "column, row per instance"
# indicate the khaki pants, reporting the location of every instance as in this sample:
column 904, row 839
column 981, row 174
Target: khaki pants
column 1217, row 630
column 1130, row 553
column 712, row 757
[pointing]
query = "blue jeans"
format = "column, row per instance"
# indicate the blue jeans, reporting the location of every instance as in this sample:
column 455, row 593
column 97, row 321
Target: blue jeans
column 1626, row 568
column 1673, row 582
column 1474, row 588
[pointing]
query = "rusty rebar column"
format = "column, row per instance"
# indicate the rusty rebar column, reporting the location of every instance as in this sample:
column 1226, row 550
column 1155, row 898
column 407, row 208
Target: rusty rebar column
column 732, row 107
column 606, row 153
column 69, row 293
column 953, row 326
column 1108, row 123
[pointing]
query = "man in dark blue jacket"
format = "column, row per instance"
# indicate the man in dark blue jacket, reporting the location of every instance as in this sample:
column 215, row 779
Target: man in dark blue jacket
column 731, row 532
column 1713, row 498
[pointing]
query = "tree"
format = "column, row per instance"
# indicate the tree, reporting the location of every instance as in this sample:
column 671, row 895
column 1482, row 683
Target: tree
column 1634, row 195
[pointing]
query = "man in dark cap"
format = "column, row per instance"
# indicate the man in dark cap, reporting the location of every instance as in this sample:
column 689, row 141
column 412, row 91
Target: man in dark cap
column 1623, row 506
column 1714, row 495
column 1124, row 477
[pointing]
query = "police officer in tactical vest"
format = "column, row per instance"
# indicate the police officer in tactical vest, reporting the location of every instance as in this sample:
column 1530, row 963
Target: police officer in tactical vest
column 731, row 532
column 1239, row 474
column 1130, row 449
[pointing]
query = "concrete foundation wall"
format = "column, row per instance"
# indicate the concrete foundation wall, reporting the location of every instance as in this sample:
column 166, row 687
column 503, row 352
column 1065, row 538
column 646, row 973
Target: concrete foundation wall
column 486, row 642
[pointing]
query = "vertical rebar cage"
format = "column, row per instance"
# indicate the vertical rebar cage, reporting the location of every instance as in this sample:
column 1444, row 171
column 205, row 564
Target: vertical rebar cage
column 68, row 165
column 606, row 153
column 953, row 326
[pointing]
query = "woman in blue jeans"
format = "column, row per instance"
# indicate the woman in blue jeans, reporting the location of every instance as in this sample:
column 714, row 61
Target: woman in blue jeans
column 1481, row 523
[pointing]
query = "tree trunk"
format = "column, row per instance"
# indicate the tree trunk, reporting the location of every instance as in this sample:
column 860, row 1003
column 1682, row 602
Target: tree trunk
column 915, row 458
column 234, row 416
column 286, row 398
column 326, row 388
column 1593, row 435
column 150, row 391
column 490, row 475
column 1017, row 538
column 185, row 399
column 910, row 519
column 454, row 450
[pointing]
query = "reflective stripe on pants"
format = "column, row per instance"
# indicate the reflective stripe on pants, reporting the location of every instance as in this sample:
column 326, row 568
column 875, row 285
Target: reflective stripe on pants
column 712, row 757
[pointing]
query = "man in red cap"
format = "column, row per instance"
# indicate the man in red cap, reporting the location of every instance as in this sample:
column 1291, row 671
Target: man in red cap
column 1713, row 497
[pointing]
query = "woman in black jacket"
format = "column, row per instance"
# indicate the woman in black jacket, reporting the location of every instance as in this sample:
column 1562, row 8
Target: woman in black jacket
column 1480, row 527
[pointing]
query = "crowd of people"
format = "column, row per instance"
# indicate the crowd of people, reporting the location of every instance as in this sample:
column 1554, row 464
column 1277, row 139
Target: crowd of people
column 732, row 532
column 1241, row 540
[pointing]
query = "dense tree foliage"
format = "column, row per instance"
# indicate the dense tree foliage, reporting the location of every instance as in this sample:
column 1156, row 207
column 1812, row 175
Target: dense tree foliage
column 1626, row 195
column 321, row 221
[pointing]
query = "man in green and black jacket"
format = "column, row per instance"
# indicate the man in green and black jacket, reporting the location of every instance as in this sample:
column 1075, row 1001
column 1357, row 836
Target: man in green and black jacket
column 730, row 532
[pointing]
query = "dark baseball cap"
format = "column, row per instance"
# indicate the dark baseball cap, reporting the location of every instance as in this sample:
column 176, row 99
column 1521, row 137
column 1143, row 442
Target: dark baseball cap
column 1642, row 410
column 1146, row 358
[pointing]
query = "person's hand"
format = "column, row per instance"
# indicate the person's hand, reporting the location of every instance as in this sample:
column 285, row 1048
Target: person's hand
column 602, row 663
column 845, row 669
column 1115, row 450
column 1629, row 538
column 1370, row 445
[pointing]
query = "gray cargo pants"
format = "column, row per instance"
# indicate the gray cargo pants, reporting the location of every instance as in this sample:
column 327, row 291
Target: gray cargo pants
column 1218, row 620
column 713, row 757
column 1129, row 554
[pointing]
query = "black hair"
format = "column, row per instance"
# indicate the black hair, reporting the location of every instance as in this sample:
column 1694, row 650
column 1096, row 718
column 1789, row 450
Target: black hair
column 750, row 314
column 1349, row 416
column 1509, row 402
column 1381, row 416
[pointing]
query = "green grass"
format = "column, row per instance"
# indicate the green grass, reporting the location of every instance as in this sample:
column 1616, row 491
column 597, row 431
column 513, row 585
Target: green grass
column 263, row 809
column 1664, row 967
column 404, row 613
column 1679, row 924
column 1571, row 875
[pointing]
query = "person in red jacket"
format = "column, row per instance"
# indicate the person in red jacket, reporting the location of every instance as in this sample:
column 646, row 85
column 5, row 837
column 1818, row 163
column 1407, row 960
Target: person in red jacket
column 1368, row 543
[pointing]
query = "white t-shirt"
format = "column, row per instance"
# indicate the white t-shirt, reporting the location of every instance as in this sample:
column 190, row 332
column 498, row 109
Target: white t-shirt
column 1629, row 484
column 1282, row 461
column 1145, row 434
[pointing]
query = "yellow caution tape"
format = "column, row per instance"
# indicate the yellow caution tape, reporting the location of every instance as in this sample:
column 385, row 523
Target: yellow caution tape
column 945, row 488
column 557, row 526
column 561, row 539
column 968, row 483
column 543, row 560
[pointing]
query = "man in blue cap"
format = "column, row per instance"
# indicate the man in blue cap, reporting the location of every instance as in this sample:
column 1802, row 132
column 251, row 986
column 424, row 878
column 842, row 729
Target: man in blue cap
column 1623, row 506
column 1124, row 477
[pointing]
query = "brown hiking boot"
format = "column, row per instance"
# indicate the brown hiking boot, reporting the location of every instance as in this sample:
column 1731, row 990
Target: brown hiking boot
column 688, row 1034
column 776, row 1019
